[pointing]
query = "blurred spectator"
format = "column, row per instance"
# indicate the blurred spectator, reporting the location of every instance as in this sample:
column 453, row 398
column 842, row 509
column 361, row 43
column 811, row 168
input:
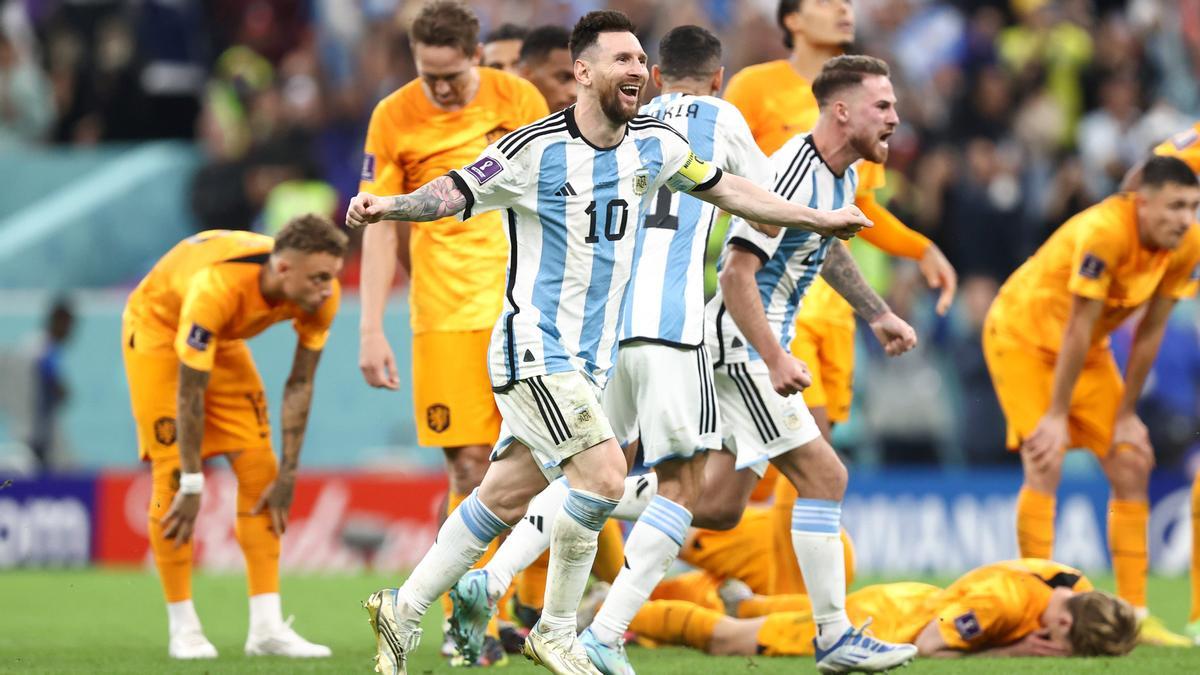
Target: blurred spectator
column 981, row 429
column 50, row 387
column 502, row 47
column 1104, row 136
column 26, row 98
column 1046, row 49
column 906, row 404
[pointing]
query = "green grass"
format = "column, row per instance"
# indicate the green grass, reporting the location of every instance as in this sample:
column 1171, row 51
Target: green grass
column 114, row 622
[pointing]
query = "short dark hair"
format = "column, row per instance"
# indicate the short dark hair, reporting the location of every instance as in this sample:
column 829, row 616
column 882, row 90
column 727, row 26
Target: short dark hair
column 506, row 31
column 1158, row 171
column 312, row 233
column 786, row 7
column 689, row 51
column 845, row 71
column 541, row 41
column 447, row 23
column 589, row 27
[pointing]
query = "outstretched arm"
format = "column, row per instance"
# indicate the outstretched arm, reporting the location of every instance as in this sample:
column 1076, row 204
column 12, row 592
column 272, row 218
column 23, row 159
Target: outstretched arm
column 843, row 275
column 438, row 198
column 745, row 198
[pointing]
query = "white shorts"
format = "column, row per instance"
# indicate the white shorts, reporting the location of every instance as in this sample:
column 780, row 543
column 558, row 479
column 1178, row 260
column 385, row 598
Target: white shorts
column 759, row 424
column 665, row 396
column 556, row 416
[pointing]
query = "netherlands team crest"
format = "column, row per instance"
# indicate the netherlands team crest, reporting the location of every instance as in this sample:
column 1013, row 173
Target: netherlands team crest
column 641, row 181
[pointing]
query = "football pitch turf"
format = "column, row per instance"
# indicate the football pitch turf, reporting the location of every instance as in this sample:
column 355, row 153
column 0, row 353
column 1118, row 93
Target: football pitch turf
column 76, row 621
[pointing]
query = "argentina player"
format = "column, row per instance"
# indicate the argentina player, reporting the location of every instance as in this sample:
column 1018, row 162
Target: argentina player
column 574, row 186
column 764, row 275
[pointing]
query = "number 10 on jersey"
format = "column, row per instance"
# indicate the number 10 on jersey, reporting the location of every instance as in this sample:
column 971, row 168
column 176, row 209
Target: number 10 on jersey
column 616, row 217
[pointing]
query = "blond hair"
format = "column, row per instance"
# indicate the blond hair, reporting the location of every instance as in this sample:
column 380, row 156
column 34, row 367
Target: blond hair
column 312, row 233
column 1101, row 624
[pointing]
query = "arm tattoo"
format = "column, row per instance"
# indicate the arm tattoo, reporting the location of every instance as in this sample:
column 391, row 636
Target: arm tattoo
column 843, row 275
column 297, row 400
column 438, row 198
column 190, row 416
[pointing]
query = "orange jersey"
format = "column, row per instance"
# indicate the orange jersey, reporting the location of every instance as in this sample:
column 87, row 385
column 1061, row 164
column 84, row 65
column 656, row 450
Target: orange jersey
column 1185, row 145
column 206, row 290
column 458, row 267
column 989, row 606
column 778, row 103
column 1097, row 254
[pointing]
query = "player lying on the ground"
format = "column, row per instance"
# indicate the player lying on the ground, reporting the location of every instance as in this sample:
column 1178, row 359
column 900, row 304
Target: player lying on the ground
column 1022, row 607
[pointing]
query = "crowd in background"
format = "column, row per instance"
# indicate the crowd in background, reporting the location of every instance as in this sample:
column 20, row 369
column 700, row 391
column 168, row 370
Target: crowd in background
column 1016, row 115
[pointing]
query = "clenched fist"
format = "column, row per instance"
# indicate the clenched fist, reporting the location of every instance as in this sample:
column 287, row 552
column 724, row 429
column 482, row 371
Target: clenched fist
column 365, row 209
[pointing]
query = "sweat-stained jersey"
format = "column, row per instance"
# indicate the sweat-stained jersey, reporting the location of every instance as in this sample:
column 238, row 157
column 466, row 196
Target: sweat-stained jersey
column 666, row 291
column 206, row 289
column 457, row 266
column 571, row 214
column 1097, row 254
column 791, row 259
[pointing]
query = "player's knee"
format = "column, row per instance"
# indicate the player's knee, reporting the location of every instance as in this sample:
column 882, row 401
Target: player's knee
column 509, row 504
column 1129, row 474
column 466, row 467
column 716, row 515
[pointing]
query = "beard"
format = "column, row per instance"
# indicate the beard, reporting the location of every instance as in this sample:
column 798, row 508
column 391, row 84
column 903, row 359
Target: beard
column 610, row 103
column 870, row 149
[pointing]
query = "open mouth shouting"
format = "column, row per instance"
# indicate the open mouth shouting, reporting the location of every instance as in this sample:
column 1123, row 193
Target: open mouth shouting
column 628, row 93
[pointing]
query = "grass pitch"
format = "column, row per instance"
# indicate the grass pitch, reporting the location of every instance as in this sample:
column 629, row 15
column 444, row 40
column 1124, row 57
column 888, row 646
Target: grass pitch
column 77, row 621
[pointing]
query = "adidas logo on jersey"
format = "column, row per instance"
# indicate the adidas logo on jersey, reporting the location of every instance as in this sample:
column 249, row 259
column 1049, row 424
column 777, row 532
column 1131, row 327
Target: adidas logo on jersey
column 528, row 358
column 565, row 191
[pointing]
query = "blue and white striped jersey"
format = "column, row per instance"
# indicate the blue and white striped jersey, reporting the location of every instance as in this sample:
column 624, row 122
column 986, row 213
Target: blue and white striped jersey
column 791, row 259
column 572, row 215
column 666, row 292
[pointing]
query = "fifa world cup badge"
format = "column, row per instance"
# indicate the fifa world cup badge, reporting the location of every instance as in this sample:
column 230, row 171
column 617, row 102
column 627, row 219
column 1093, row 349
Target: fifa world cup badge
column 641, row 181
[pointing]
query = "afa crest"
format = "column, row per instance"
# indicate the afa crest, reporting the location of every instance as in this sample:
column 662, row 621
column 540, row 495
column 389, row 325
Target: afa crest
column 641, row 181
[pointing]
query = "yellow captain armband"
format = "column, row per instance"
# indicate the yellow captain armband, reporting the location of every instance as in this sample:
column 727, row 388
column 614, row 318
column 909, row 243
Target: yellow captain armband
column 695, row 174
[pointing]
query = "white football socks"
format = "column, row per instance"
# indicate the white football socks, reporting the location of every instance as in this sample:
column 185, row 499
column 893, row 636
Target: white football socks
column 266, row 612
column 182, row 617
column 572, row 550
column 528, row 539
column 461, row 541
column 652, row 546
column 816, row 538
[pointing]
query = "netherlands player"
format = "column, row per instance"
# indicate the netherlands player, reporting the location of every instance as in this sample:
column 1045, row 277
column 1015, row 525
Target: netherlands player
column 1056, row 378
column 1029, row 607
column 438, row 122
column 196, row 394
column 763, row 279
column 572, row 186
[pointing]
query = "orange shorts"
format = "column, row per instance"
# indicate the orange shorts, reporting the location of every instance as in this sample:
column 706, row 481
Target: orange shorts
column 235, row 406
column 1024, row 379
column 452, row 394
column 827, row 348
